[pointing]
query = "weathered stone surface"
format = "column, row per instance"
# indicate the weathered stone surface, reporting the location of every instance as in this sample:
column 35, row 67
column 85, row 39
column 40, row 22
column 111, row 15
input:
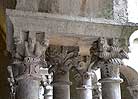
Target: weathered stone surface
column 27, row 89
column 61, row 59
column 87, row 8
column 64, row 25
column 133, row 91
column 28, row 57
column 110, row 57
column 27, row 5
column 120, row 10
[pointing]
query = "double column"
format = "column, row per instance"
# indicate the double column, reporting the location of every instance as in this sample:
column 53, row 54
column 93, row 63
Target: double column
column 109, row 58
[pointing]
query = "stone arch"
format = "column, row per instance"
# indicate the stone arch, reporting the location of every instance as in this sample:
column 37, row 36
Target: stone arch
column 130, row 74
column 133, row 38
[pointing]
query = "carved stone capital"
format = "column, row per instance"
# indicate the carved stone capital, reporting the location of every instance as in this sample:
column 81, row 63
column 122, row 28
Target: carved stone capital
column 109, row 70
column 29, row 55
column 107, row 51
column 83, row 72
column 61, row 58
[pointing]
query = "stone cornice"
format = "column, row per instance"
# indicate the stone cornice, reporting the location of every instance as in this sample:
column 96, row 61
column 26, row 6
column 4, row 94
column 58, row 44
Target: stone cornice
column 64, row 25
column 41, row 15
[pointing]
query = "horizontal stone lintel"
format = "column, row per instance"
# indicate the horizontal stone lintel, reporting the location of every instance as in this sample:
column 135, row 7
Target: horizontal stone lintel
column 63, row 26
column 51, row 23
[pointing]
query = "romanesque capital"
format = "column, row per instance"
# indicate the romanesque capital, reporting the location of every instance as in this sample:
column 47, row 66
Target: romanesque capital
column 83, row 71
column 61, row 58
column 86, row 79
column 29, row 56
column 107, row 51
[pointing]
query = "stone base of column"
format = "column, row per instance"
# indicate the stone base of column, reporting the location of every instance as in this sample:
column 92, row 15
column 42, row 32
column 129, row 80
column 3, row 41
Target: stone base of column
column 111, row 88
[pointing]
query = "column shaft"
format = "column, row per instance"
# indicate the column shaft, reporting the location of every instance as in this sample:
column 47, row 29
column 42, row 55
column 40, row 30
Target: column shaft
column 110, row 82
column 85, row 90
column 28, row 89
column 49, row 94
column 111, row 90
column 61, row 89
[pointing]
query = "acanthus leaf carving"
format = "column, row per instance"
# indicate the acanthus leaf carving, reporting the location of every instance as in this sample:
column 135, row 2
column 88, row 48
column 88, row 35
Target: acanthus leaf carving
column 108, row 51
column 83, row 71
column 61, row 58
column 107, row 55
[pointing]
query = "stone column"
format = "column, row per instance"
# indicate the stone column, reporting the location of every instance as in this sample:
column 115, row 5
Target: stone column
column 109, row 57
column 28, row 89
column 110, row 82
column 28, row 5
column 133, row 91
column 61, row 85
column 48, row 92
column 61, row 59
column 28, row 57
column 84, row 77
column 85, row 90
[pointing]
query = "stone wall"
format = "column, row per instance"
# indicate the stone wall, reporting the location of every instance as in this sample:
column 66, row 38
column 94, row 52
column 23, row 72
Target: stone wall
column 88, row 8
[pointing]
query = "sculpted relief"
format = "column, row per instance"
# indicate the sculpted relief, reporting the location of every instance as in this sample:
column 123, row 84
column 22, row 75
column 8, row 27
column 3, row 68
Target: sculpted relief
column 107, row 55
column 28, row 57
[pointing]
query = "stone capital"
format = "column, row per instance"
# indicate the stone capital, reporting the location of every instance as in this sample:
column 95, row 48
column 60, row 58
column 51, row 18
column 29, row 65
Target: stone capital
column 107, row 51
column 29, row 55
column 61, row 58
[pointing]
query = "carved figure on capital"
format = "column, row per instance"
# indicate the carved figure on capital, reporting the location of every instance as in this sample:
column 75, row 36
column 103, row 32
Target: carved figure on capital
column 28, row 57
column 107, row 52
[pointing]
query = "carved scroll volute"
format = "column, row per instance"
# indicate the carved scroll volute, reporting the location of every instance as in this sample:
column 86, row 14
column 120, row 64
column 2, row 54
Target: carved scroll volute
column 83, row 70
column 61, row 58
